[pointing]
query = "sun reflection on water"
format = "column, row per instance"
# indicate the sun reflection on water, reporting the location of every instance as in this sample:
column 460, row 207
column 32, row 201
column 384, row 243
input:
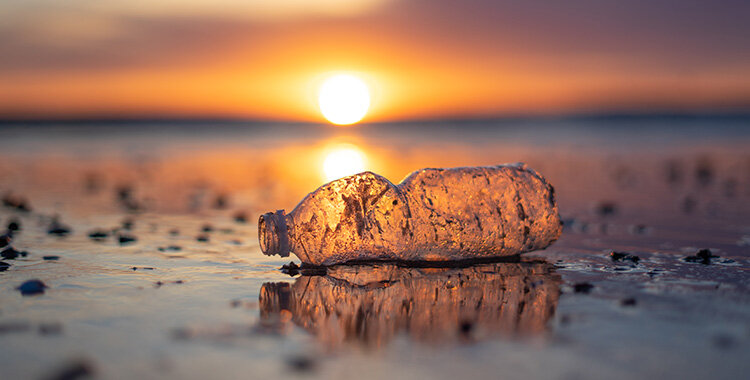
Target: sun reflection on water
column 343, row 160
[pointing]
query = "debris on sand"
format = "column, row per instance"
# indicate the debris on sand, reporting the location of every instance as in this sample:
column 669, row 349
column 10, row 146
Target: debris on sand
column 291, row 269
column 583, row 287
column 16, row 202
column 73, row 371
column 57, row 228
column 240, row 217
column 50, row 329
column 704, row 257
column 14, row 225
column 11, row 253
column 301, row 364
column 5, row 239
column 32, row 287
column 606, row 208
column 124, row 239
column 624, row 256
column 98, row 235
column 628, row 302
column 170, row 248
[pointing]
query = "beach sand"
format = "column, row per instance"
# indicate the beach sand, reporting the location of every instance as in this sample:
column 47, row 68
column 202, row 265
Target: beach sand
column 192, row 296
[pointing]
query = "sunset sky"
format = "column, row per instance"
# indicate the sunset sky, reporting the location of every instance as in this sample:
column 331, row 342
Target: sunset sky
column 265, row 59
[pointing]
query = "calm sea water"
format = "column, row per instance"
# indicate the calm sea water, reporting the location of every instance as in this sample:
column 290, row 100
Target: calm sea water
column 171, row 305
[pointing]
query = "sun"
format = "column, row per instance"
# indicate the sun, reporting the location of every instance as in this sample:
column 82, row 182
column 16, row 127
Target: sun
column 343, row 160
column 344, row 99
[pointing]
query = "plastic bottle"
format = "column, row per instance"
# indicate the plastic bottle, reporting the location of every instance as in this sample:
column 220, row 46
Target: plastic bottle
column 432, row 215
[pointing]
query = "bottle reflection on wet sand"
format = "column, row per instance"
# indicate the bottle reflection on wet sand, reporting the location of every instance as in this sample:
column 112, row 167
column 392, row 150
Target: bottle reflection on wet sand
column 370, row 305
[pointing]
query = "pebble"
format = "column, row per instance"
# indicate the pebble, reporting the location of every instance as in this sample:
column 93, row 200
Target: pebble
column 51, row 257
column 126, row 239
column 98, row 235
column 623, row 256
column 703, row 256
column 582, row 287
column 4, row 266
column 31, row 288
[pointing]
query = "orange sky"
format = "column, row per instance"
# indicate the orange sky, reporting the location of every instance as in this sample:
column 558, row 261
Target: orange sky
column 422, row 59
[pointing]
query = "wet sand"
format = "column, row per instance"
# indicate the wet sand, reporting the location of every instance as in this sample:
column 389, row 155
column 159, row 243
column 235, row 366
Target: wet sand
column 145, row 240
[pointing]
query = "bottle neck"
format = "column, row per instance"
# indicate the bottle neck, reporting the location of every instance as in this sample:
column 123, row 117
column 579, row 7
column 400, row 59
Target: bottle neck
column 273, row 234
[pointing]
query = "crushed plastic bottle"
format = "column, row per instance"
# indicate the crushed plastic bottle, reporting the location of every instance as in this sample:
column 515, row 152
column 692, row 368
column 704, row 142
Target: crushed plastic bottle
column 432, row 215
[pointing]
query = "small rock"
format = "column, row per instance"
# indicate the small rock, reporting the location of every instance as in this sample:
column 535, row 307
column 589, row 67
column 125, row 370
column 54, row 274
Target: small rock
column 4, row 266
column 14, row 225
column 174, row 232
column 10, row 253
column 128, row 223
column 703, row 256
column 207, row 228
column 98, row 235
column 6, row 238
column 57, row 228
column 240, row 217
column 221, row 201
column 623, row 256
column 51, row 257
column 628, row 302
column 50, row 329
column 291, row 269
column 126, row 239
column 606, row 208
column 202, row 238
column 73, row 371
column 16, row 202
column 583, row 287
column 32, row 287
column 170, row 248
column 301, row 364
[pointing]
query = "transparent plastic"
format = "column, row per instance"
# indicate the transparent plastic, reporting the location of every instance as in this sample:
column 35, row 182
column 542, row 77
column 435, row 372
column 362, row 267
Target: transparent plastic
column 432, row 215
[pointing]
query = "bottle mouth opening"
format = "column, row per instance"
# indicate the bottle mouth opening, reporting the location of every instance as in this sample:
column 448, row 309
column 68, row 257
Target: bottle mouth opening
column 272, row 234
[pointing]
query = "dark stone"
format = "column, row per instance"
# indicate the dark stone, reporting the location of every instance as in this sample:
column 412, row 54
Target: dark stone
column 32, row 287
column 73, row 371
column 142, row 268
column 16, row 202
column 50, row 329
column 207, row 228
column 6, row 238
column 240, row 217
column 703, row 256
column 628, row 302
column 202, row 238
column 126, row 239
column 174, row 232
column 170, row 248
column 606, row 208
column 14, row 225
column 301, row 364
column 291, row 269
column 4, row 266
column 51, row 257
column 583, row 287
column 221, row 202
column 623, row 256
column 57, row 228
column 10, row 253
column 128, row 223
column 98, row 235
